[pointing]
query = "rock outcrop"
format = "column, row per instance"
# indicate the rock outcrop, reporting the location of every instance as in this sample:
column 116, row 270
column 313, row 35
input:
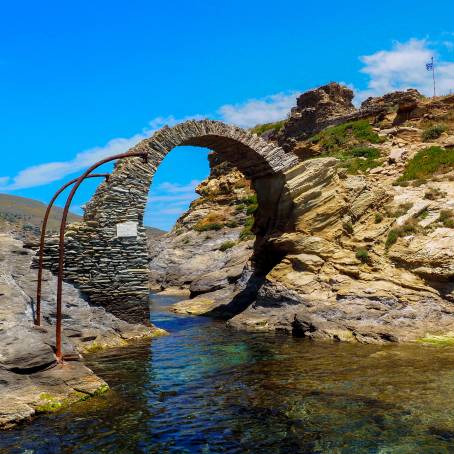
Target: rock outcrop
column 30, row 378
column 367, row 253
column 331, row 105
column 210, row 244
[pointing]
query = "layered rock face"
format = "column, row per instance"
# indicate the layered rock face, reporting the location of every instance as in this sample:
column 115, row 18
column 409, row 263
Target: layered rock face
column 367, row 253
column 371, row 259
column 210, row 244
column 30, row 378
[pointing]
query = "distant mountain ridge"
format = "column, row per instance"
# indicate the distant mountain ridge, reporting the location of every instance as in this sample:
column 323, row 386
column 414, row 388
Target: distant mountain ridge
column 24, row 216
column 27, row 214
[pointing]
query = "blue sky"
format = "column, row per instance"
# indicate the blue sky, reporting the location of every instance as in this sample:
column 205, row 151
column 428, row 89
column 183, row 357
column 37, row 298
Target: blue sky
column 83, row 79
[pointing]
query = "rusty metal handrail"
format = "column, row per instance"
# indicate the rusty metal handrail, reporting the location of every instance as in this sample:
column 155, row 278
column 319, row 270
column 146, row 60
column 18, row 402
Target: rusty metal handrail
column 61, row 250
column 37, row 318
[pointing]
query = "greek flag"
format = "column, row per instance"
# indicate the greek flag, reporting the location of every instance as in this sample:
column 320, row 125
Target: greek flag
column 429, row 66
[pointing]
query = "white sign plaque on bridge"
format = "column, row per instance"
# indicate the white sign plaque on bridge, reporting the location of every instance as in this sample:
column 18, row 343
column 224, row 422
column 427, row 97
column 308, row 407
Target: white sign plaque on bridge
column 127, row 229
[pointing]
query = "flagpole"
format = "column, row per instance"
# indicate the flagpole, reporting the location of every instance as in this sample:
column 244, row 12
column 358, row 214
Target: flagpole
column 433, row 74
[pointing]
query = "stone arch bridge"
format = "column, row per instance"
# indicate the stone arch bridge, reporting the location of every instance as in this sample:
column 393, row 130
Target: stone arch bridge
column 109, row 265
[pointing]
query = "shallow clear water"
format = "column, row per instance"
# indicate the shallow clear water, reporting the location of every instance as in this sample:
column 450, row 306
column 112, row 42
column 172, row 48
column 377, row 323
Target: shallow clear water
column 207, row 389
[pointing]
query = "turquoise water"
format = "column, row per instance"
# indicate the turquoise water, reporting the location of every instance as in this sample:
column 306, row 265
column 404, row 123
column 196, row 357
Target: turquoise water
column 207, row 389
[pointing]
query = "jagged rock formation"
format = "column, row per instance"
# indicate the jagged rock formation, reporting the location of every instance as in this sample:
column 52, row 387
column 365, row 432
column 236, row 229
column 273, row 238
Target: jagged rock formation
column 314, row 109
column 30, row 379
column 332, row 105
column 361, row 259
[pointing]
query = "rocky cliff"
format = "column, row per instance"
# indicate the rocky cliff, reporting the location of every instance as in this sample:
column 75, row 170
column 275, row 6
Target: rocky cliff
column 368, row 254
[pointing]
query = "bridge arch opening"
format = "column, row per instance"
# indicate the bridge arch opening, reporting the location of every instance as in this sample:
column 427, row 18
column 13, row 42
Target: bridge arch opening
column 111, row 268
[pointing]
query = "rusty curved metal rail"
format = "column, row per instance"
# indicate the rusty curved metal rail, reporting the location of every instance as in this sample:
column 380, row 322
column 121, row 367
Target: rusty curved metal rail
column 37, row 318
column 61, row 249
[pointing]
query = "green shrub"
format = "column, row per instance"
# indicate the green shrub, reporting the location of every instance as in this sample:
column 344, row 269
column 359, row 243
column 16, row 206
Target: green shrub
column 251, row 209
column 247, row 232
column 239, row 208
column 378, row 218
column 362, row 255
column 356, row 159
column 391, row 239
column 336, row 137
column 226, row 245
column 207, row 226
column 358, row 165
column 348, row 227
column 433, row 132
column 365, row 152
column 447, row 218
column 424, row 213
column 410, row 227
column 250, row 200
column 232, row 224
column 261, row 129
column 401, row 209
column 433, row 193
column 427, row 162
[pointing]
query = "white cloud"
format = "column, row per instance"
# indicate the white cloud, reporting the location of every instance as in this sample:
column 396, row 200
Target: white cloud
column 168, row 201
column 43, row 174
column 247, row 114
column 173, row 211
column 172, row 198
column 257, row 111
column 449, row 45
column 178, row 188
column 404, row 67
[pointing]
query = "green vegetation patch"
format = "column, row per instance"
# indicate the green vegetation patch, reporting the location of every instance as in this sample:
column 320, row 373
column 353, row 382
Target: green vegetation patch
column 348, row 227
column 409, row 228
column 358, row 132
column 427, row 162
column 247, row 232
column 251, row 204
column 203, row 227
column 227, row 245
column 261, row 129
column 362, row 255
column 433, row 132
column 442, row 341
column 447, row 218
column 48, row 403
column 434, row 193
column 212, row 221
column 398, row 211
column 391, row 238
column 354, row 163
column 232, row 224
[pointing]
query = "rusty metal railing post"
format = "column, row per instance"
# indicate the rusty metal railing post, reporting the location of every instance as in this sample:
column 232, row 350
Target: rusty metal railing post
column 61, row 248
column 37, row 318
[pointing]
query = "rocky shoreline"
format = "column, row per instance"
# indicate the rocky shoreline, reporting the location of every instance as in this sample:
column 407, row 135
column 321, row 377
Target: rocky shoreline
column 31, row 381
